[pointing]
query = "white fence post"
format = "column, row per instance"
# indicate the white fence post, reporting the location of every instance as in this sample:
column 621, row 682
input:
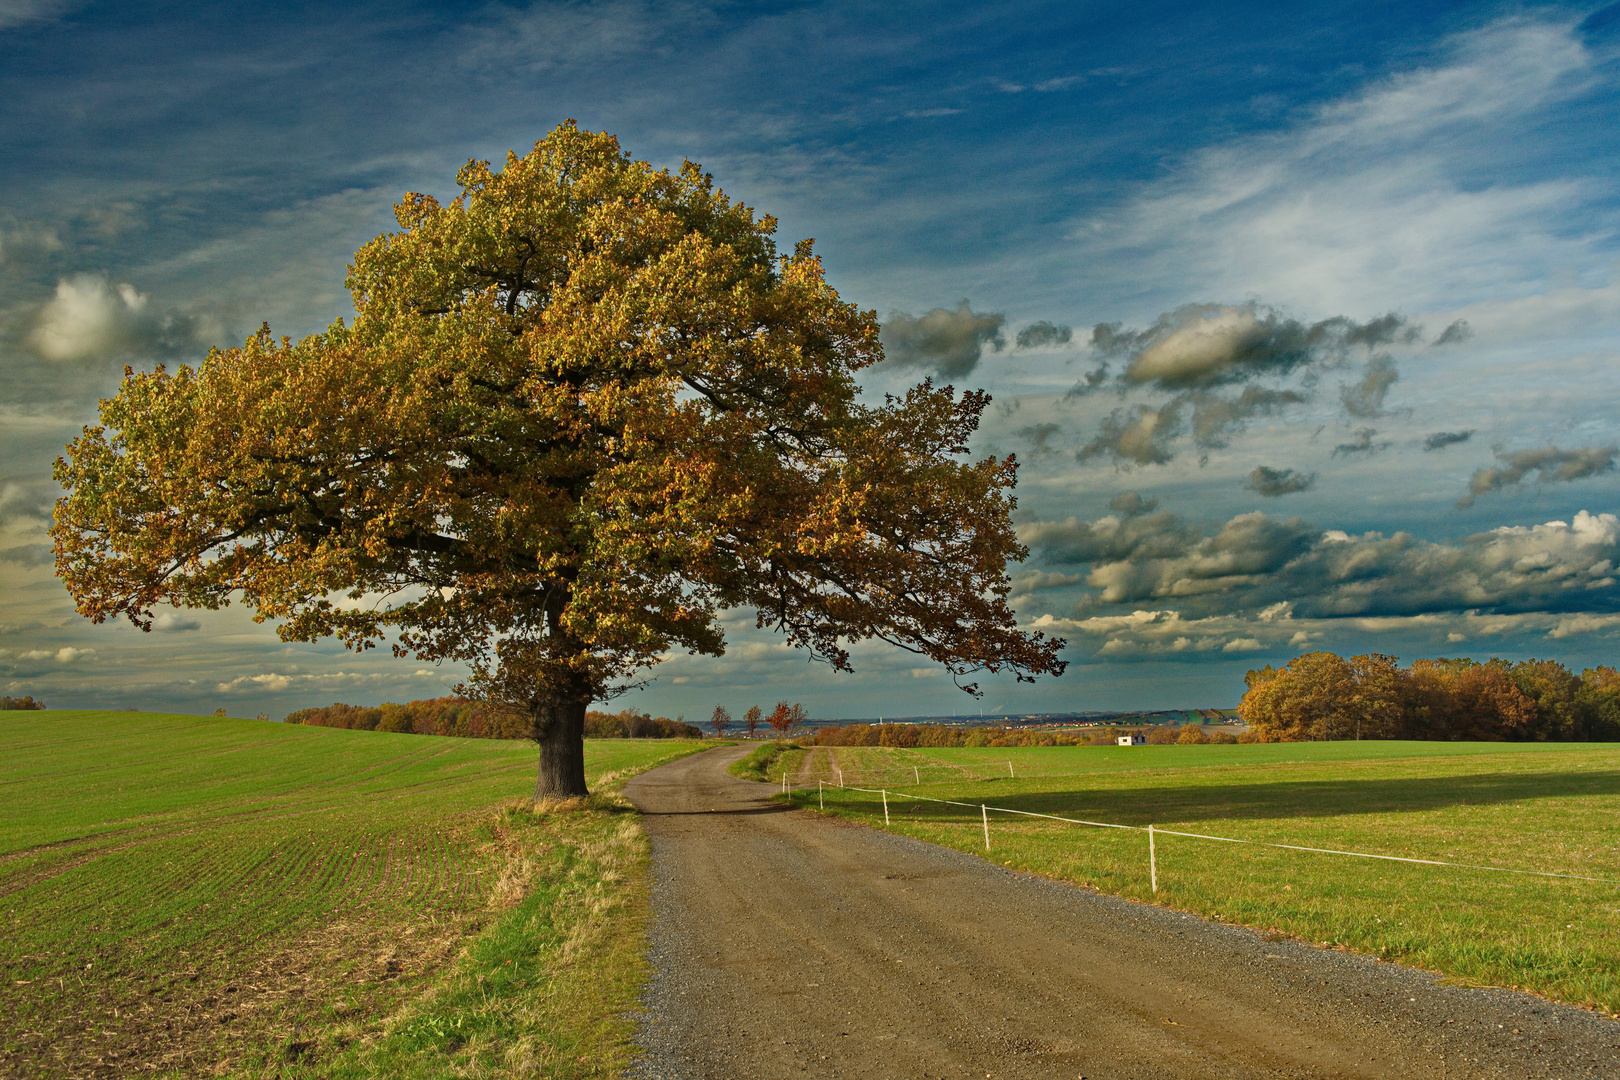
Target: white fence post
column 986, row 815
column 1153, row 861
column 1010, row 771
column 917, row 776
column 821, row 796
column 885, row 807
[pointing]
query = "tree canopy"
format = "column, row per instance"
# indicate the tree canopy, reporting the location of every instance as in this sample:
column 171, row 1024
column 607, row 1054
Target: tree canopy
column 581, row 409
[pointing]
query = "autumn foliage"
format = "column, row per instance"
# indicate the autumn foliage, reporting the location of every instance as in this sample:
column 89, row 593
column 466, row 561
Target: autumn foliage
column 583, row 408
column 1321, row 696
column 785, row 717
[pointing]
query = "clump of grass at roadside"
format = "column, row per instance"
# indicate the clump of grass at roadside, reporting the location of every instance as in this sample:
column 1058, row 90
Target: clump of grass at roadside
column 763, row 762
column 546, row 989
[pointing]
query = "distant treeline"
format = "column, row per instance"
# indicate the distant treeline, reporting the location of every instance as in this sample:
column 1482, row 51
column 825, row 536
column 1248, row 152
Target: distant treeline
column 631, row 724
column 929, row 736
column 20, row 703
column 435, row 716
column 481, row 720
column 1322, row 696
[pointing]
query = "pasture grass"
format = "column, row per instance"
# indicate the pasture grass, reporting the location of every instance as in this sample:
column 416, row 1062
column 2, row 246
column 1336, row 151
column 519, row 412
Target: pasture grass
column 759, row 763
column 197, row 896
column 1529, row 806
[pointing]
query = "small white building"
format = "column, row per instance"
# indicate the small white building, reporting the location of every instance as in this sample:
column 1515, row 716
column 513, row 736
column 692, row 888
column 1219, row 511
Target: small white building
column 1133, row 740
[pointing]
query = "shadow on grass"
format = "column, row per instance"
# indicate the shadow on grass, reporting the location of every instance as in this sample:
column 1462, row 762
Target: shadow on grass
column 1309, row 798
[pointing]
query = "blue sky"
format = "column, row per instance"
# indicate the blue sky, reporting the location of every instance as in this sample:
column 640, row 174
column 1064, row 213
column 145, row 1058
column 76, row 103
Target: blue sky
column 1357, row 264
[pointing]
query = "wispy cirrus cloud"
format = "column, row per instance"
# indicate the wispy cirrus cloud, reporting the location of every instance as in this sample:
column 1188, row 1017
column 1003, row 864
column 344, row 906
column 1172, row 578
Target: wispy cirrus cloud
column 1302, row 215
column 24, row 12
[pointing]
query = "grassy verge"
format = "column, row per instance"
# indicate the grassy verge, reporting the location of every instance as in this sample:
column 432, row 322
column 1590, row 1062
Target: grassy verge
column 186, row 895
column 548, row 988
column 1548, row 807
column 764, row 762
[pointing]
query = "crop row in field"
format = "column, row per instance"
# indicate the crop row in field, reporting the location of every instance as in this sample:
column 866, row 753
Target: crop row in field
column 1548, row 807
column 180, row 891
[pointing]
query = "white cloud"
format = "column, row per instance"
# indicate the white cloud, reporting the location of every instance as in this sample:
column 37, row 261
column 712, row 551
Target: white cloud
column 87, row 317
column 1583, row 624
column 545, row 38
column 276, row 680
column 1376, row 200
column 67, row 654
column 1571, row 311
column 23, row 242
column 23, row 12
column 172, row 622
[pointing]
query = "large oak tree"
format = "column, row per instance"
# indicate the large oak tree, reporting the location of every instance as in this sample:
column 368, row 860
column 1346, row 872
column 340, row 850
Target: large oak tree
column 581, row 409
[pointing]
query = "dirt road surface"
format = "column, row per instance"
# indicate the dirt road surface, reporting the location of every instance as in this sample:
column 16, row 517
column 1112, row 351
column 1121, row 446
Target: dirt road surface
column 786, row 944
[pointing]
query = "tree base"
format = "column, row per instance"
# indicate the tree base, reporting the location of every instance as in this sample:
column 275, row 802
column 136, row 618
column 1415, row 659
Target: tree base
column 559, row 729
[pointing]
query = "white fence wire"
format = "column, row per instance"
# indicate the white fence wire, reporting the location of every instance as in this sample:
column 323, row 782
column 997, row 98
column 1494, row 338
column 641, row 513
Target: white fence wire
column 1153, row 832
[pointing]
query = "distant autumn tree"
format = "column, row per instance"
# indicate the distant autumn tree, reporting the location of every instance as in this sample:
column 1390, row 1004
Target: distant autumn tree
column 1599, row 702
column 784, row 718
column 1309, row 699
column 720, row 719
column 752, row 717
column 1487, row 704
column 582, row 409
column 1259, row 675
column 1555, row 690
column 1380, row 699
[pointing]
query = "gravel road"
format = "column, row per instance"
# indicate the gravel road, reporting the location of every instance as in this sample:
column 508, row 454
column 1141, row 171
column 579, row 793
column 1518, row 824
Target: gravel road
column 786, row 944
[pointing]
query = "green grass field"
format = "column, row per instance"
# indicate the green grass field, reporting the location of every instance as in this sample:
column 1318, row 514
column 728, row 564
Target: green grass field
column 187, row 896
column 1537, row 806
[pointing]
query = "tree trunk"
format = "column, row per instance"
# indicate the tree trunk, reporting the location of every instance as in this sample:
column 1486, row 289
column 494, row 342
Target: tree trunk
column 559, row 729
